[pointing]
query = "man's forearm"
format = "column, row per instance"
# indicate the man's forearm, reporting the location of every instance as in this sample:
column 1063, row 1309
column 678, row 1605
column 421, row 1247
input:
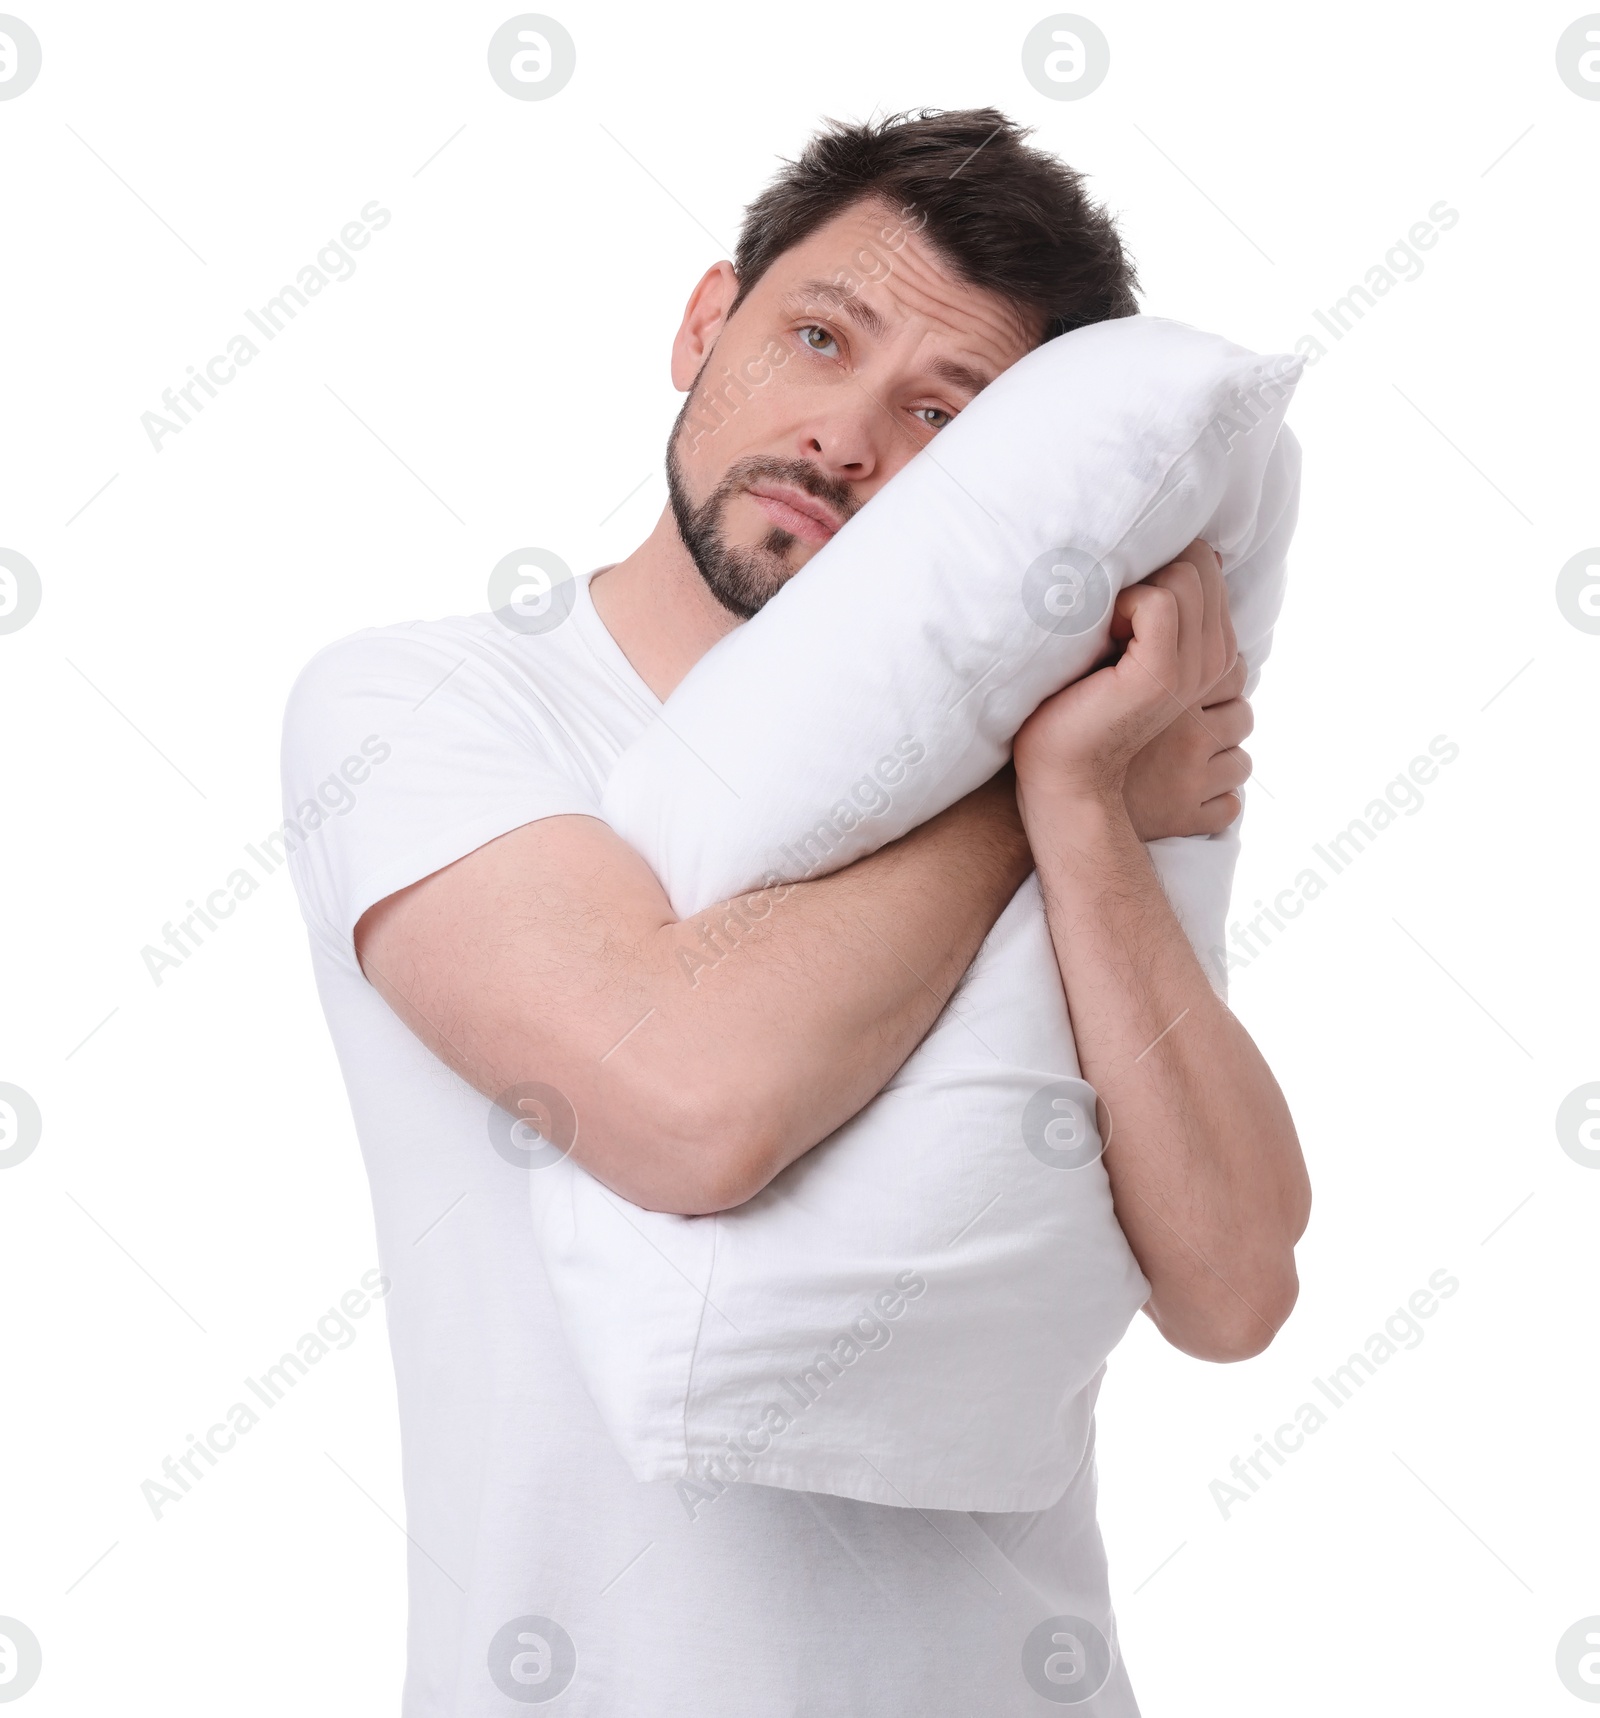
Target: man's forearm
column 1205, row 1167
column 822, row 989
column 700, row 1056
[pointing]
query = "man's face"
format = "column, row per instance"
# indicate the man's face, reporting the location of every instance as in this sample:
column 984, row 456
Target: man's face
column 850, row 353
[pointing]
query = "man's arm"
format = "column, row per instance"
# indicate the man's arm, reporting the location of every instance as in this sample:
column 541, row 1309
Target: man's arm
column 703, row 1056
column 1205, row 1167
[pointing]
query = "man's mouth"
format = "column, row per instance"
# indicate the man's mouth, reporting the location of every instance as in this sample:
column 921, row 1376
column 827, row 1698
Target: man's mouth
column 801, row 515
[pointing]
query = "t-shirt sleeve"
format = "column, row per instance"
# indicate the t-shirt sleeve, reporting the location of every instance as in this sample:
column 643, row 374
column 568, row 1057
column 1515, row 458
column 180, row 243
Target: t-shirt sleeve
column 404, row 749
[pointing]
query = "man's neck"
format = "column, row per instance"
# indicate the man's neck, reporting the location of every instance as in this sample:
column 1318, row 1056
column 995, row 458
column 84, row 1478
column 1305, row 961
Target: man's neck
column 656, row 606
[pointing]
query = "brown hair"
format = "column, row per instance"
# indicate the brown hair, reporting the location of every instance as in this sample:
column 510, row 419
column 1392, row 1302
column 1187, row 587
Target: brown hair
column 1001, row 215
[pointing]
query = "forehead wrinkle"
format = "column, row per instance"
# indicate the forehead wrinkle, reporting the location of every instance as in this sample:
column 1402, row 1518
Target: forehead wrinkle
column 917, row 284
column 917, row 281
column 823, row 294
column 970, row 313
column 972, row 366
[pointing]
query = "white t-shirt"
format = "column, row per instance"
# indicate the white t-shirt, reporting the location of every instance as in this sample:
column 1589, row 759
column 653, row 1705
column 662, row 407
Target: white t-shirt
column 539, row 1569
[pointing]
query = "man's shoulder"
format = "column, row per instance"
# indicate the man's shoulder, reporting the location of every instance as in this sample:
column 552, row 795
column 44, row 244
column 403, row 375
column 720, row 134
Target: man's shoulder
column 463, row 693
column 432, row 670
column 398, row 652
column 423, row 681
column 405, row 746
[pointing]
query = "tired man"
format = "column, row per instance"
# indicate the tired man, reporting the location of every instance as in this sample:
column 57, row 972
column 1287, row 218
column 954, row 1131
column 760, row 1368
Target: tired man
column 475, row 924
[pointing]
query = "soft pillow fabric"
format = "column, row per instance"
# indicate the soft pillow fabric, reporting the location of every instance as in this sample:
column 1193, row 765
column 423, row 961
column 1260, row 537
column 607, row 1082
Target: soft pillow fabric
column 916, row 1313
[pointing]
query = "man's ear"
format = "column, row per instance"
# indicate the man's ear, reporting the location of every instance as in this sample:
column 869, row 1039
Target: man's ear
column 703, row 319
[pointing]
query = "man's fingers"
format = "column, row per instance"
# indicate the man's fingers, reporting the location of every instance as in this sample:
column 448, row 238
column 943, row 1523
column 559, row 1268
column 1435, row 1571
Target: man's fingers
column 1218, row 641
column 1230, row 723
column 1215, row 607
column 1220, row 648
column 1152, row 613
column 1228, row 770
column 1182, row 579
column 1208, row 646
column 1229, row 687
column 1216, row 814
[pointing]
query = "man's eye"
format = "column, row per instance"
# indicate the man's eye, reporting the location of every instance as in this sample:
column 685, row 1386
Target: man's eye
column 938, row 412
column 821, row 346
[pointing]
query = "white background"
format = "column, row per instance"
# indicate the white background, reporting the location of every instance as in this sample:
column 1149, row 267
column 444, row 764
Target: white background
column 197, row 1200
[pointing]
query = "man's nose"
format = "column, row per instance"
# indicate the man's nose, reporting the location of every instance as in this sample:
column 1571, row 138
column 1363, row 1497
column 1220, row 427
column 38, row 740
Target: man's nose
column 845, row 439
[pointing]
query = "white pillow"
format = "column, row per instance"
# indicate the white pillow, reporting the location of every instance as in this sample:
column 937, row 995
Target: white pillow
column 917, row 1311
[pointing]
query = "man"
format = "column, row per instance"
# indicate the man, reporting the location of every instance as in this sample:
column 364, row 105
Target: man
column 475, row 925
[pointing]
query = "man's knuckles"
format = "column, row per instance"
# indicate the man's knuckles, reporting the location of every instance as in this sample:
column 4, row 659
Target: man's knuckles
column 1232, row 768
column 1216, row 814
column 1230, row 683
column 1229, row 723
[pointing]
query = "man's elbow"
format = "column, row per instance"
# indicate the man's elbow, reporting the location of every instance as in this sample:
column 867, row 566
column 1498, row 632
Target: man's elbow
column 1233, row 1327
column 693, row 1157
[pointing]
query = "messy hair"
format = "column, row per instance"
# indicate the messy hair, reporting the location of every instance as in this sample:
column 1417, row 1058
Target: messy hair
column 1000, row 214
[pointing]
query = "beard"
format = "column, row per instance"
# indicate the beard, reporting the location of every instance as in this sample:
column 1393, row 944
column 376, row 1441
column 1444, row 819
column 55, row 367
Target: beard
column 743, row 580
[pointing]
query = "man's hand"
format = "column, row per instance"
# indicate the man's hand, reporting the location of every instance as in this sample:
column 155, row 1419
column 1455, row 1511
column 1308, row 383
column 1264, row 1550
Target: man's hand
column 1186, row 780
column 1110, row 733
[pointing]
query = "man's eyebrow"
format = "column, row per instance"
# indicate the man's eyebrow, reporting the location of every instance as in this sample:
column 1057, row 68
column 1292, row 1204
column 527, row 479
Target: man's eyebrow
column 826, row 296
column 960, row 375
